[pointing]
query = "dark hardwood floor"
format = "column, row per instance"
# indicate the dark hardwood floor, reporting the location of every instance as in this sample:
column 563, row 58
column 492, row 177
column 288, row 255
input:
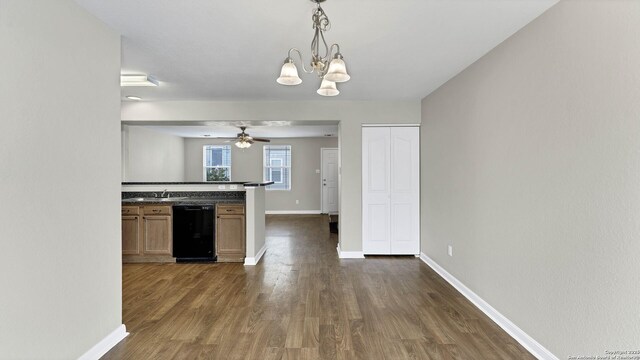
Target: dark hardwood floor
column 302, row 302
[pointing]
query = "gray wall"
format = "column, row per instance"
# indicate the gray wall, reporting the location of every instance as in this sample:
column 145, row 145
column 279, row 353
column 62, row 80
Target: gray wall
column 351, row 114
column 531, row 170
column 246, row 165
column 150, row 155
column 60, row 272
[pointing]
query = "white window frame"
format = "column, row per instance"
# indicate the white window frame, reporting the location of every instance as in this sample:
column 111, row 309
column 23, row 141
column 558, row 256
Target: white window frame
column 271, row 167
column 204, row 160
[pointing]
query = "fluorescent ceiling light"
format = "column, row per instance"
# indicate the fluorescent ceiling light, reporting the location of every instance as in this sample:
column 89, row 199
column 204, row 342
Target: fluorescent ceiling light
column 137, row 80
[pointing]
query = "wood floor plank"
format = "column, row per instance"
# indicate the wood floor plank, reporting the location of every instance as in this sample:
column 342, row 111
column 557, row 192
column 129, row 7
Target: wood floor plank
column 311, row 334
column 294, row 334
column 302, row 302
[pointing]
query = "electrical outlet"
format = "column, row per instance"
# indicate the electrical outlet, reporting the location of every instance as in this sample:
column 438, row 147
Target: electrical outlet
column 317, row 171
column 233, row 187
column 297, row 202
column 221, row 187
column 450, row 250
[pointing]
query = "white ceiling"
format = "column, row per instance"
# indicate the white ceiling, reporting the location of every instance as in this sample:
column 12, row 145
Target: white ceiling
column 233, row 50
column 269, row 131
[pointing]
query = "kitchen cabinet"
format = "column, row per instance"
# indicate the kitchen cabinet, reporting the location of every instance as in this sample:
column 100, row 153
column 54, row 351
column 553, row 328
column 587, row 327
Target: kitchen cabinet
column 230, row 233
column 147, row 233
column 131, row 244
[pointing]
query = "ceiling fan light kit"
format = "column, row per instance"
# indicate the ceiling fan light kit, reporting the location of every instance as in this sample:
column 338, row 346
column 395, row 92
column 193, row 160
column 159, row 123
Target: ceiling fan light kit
column 244, row 140
column 242, row 144
column 335, row 72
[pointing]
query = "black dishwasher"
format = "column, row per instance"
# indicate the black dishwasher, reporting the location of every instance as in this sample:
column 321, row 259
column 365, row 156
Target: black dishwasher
column 193, row 233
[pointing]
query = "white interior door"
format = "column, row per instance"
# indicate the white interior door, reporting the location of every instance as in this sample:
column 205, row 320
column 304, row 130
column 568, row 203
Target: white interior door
column 405, row 190
column 391, row 190
column 329, row 181
column 376, row 187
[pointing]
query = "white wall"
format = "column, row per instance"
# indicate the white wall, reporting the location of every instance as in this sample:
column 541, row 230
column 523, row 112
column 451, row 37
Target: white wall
column 351, row 114
column 60, row 272
column 255, row 224
column 152, row 156
column 246, row 165
column 531, row 170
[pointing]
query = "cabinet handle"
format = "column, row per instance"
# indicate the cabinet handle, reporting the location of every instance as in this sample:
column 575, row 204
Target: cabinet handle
column 156, row 211
column 228, row 210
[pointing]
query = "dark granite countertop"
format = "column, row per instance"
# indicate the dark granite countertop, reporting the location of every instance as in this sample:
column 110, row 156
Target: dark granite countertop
column 256, row 184
column 181, row 201
column 191, row 183
column 245, row 183
column 183, row 197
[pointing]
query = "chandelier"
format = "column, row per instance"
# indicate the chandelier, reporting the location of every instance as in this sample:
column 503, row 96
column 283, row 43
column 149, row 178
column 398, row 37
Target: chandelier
column 328, row 66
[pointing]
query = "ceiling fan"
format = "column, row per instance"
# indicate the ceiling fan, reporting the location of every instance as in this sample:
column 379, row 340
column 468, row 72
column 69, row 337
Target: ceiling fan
column 244, row 140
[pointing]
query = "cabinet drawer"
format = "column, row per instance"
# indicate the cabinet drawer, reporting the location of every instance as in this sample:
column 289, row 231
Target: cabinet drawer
column 156, row 210
column 130, row 210
column 230, row 209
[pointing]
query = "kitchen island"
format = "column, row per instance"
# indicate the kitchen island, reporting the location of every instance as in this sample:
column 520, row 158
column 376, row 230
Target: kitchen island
column 147, row 218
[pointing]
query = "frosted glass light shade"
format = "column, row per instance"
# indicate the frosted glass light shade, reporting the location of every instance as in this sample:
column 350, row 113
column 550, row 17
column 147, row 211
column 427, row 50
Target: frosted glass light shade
column 337, row 71
column 243, row 144
column 289, row 74
column 328, row 88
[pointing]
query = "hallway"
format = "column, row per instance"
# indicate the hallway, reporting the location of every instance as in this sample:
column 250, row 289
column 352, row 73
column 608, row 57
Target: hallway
column 302, row 302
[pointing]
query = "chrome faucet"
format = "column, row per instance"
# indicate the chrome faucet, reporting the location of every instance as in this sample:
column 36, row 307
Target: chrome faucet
column 163, row 192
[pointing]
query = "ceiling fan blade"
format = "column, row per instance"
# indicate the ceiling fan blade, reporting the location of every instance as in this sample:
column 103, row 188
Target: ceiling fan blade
column 261, row 140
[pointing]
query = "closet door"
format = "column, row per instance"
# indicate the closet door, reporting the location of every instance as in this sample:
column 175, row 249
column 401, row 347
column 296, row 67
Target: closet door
column 376, row 190
column 391, row 190
column 405, row 191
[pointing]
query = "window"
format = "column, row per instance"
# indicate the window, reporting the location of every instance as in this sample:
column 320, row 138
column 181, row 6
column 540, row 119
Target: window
column 216, row 162
column 277, row 166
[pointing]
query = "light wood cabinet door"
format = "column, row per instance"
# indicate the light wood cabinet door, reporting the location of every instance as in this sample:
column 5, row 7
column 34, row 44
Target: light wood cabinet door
column 158, row 239
column 131, row 235
column 230, row 238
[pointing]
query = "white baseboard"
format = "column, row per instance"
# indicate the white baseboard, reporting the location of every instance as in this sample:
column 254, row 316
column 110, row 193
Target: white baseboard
column 293, row 212
column 102, row 347
column 349, row 254
column 535, row 348
column 254, row 260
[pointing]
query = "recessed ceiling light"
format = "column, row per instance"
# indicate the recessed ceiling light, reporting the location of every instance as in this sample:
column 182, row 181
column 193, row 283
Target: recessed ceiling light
column 136, row 98
column 137, row 80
